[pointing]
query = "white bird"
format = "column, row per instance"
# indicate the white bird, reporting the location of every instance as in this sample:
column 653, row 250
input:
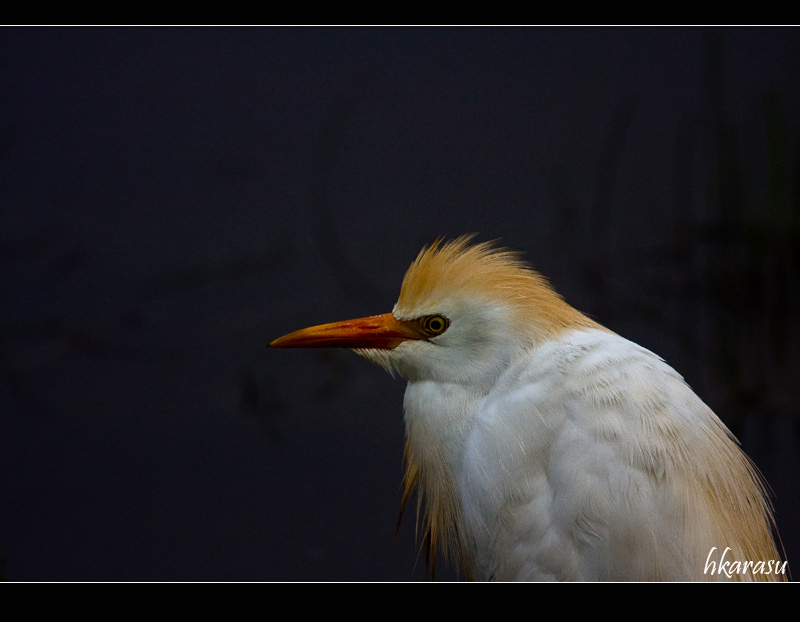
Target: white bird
column 544, row 446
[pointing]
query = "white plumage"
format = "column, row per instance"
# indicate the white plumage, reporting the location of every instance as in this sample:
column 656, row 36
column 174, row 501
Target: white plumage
column 545, row 447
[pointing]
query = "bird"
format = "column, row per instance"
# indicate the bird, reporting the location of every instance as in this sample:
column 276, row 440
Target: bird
column 542, row 446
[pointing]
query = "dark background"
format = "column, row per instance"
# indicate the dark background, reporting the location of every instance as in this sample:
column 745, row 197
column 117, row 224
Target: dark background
column 173, row 199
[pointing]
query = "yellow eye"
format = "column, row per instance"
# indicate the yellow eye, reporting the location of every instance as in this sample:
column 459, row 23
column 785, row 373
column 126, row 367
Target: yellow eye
column 434, row 324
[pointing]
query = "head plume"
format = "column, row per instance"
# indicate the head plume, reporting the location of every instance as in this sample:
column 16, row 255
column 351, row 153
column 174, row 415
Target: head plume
column 460, row 267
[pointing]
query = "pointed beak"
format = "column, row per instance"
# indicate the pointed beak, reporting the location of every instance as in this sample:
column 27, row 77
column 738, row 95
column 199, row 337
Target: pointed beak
column 377, row 331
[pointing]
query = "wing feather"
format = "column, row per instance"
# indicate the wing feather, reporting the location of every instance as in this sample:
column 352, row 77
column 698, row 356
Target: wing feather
column 611, row 468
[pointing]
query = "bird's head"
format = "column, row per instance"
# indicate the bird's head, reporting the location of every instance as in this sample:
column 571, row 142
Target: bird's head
column 464, row 312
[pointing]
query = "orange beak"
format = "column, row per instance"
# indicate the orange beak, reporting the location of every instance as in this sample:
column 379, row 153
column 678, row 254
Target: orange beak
column 377, row 331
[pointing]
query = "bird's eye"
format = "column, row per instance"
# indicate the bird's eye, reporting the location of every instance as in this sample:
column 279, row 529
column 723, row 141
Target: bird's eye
column 434, row 324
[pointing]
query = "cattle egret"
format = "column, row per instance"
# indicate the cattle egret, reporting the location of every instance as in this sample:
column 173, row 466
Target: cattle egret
column 544, row 446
